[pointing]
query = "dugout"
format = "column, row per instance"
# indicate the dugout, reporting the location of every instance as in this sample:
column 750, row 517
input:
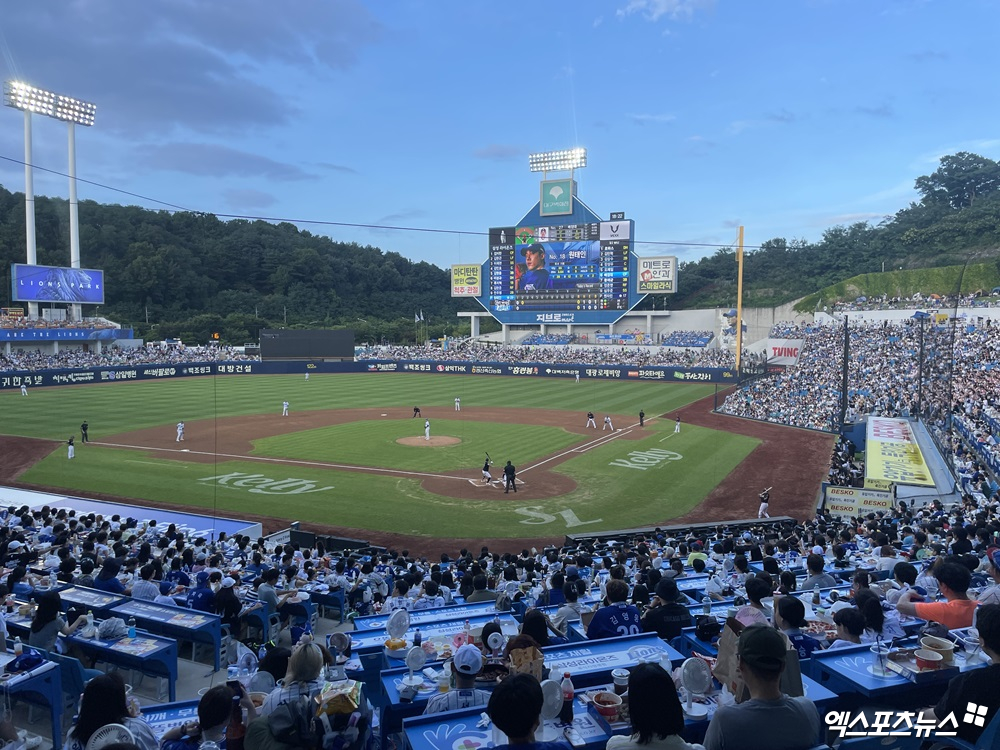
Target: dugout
column 323, row 345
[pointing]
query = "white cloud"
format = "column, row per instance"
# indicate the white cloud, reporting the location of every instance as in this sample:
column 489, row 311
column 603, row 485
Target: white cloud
column 674, row 10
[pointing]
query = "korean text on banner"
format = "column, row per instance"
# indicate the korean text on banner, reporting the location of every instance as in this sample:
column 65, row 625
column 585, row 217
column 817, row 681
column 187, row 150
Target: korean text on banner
column 892, row 453
column 466, row 280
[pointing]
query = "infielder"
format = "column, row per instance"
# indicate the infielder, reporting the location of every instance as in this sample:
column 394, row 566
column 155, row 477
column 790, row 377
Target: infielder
column 427, row 429
column 487, row 477
column 458, row 404
column 677, row 426
column 607, row 424
column 24, row 389
column 284, row 408
column 642, row 417
column 590, row 420
column 180, row 432
column 70, row 449
column 765, row 498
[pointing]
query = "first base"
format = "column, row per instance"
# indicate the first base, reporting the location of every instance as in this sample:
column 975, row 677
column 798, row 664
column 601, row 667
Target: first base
column 385, row 415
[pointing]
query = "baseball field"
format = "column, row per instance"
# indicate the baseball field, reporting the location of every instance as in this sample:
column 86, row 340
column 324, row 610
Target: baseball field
column 351, row 459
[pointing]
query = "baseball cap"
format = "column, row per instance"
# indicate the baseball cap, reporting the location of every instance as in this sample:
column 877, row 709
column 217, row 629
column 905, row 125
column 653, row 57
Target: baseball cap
column 468, row 659
column 202, row 577
column 166, row 587
column 201, row 557
column 763, row 648
column 14, row 545
column 666, row 589
column 228, row 583
column 533, row 248
column 993, row 555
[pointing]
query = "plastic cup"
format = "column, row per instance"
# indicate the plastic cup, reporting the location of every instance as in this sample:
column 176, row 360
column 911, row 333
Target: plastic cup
column 880, row 654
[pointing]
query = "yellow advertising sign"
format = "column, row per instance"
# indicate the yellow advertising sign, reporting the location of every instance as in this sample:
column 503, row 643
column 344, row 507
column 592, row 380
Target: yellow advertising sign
column 854, row 501
column 877, row 484
column 892, row 453
column 466, row 280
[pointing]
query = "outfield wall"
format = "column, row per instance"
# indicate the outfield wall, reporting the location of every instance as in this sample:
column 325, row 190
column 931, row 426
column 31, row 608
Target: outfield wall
column 44, row 378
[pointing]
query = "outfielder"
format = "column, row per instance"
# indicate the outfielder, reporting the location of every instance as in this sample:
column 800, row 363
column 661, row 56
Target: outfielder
column 284, row 408
column 458, row 404
column 24, row 389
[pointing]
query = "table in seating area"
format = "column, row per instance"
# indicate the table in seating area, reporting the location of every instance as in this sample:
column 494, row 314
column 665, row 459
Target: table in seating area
column 146, row 653
column 433, row 614
column 43, row 684
column 82, row 597
column 179, row 623
column 589, row 664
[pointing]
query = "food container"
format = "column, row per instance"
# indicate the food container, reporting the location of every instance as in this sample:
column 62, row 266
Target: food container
column 927, row 659
column 607, row 704
column 944, row 647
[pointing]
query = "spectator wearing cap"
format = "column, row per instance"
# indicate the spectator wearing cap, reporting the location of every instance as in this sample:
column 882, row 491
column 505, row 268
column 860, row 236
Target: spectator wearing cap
column 201, row 597
column 978, row 686
column 228, row 605
column 466, row 665
column 770, row 720
column 163, row 596
column 666, row 616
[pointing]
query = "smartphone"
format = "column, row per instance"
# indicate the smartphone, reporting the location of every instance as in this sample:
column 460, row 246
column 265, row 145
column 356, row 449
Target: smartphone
column 236, row 686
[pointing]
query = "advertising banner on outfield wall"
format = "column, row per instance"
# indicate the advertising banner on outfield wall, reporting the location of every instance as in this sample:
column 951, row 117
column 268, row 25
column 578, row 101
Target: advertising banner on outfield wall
column 466, row 280
column 892, row 453
column 45, row 378
column 845, row 502
column 784, row 351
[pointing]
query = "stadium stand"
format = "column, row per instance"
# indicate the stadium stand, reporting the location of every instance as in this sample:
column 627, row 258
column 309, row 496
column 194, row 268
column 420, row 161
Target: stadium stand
column 688, row 338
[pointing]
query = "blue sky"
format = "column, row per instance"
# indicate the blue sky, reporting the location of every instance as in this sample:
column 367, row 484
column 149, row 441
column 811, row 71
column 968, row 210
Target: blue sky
column 787, row 117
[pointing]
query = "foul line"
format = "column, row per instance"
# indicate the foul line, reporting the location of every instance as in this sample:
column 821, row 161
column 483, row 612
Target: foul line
column 286, row 461
column 595, row 443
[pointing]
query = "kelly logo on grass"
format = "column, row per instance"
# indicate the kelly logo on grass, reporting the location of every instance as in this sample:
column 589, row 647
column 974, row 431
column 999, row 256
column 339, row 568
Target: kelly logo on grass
column 263, row 485
column 643, row 460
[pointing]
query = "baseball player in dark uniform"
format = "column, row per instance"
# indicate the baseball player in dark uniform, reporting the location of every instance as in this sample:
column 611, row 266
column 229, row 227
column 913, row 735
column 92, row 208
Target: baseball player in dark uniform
column 487, row 477
column 84, row 437
column 642, row 417
column 590, row 420
column 416, row 412
column 509, row 473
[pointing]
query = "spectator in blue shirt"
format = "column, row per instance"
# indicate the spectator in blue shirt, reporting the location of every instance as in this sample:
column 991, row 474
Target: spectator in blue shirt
column 618, row 618
column 789, row 618
column 202, row 597
column 107, row 578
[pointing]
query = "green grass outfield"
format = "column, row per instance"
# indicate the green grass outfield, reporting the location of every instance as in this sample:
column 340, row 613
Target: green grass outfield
column 614, row 489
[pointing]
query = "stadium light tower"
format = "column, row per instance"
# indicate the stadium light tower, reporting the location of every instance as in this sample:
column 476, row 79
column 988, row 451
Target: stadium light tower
column 73, row 112
column 558, row 161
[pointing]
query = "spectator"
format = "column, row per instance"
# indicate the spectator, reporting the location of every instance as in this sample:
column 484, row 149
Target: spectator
column 850, row 627
column 146, row 589
column 618, row 617
column 666, row 616
column 655, row 712
column 981, row 686
column 302, row 677
column 790, row 618
column 480, row 592
column 814, row 565
column 466, row 664
column 770, row 720
column 103, row 703
column 515, row 709
column 953, row 582
column 571, row 609
column 215, row 711
column 880, row 623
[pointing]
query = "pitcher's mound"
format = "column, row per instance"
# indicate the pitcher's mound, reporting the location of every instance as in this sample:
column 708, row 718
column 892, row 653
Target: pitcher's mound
column 434, row 442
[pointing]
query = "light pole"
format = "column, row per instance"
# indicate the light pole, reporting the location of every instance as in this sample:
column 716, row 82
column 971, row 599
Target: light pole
column 73, row 112
column 558, row 161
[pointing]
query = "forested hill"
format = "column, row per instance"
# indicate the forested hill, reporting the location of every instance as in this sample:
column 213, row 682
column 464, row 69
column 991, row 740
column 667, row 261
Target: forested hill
column 193, row 274
column 956, row 220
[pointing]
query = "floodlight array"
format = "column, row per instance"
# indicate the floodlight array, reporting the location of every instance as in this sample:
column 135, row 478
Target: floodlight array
column 39, row 101
column 554, row 161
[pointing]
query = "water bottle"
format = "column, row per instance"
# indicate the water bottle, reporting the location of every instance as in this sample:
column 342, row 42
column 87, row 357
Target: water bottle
column 706, row 605
column 131, row 627
column 52, row 579
column 208, row 745
column 566, row 712
column 18, row 646
column 816, row 597
column 417, row 638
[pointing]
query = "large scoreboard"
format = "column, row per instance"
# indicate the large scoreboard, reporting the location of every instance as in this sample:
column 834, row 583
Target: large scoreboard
column 566, row 273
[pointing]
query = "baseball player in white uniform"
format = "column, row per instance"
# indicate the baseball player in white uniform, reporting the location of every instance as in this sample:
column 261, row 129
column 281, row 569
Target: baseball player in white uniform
column 427, row 429
column 458, row 404
column 24, row 389
column 765, row 499
column 677, row 426
column 284, row 408
column 180, row 432
column 607, row 424
column 70, row 449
